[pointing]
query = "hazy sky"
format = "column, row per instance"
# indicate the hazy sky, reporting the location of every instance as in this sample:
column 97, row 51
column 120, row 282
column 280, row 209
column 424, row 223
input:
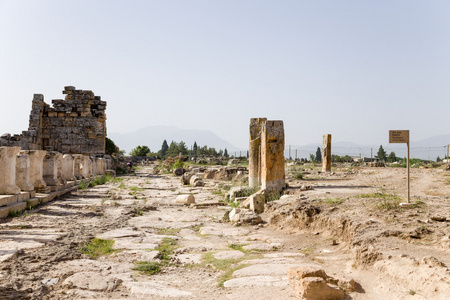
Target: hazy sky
column 354, row 69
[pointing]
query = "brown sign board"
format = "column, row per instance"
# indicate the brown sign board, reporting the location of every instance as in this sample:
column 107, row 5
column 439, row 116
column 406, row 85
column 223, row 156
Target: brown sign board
column 398, row 136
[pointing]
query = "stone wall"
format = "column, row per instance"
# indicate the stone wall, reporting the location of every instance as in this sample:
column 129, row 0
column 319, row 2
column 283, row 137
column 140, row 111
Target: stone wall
column 76, row 125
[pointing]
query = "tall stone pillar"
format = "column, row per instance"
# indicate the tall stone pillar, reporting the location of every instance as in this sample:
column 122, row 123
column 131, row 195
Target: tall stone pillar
column 68, row 167
column 8, row 171
column 51, row 168
column 254, row 153
column 37, row 169
column 326, row 153
column 272, row 156
column 23, row 172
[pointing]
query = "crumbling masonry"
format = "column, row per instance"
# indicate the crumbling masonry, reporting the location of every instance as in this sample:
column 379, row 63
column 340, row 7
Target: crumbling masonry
column 76, row 125
column 64, row 146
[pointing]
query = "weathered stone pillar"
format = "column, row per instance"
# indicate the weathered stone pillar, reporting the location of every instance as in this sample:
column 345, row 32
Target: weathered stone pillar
column 326, row 153
column 51, row 168
column 100, row 166
column 59, row 168
column 37, row 168
column 8, row 171
column 272, row 156
column 78, row 165
column 254, row 153
column 23, row 172
column 68, row 167
column 85, row 166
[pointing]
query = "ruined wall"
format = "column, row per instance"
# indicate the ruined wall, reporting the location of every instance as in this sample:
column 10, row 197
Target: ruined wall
column 76, row 125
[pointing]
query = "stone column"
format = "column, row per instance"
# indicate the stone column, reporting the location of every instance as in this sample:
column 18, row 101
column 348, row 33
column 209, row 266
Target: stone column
column 8, row 171
column 51, row 168
column 85, row 167
column 59, row 168
column 77, row 165
column 272, row 156
column 23, row 172
column 68, row 167
column 254, row 153
column 326, row 153
column 101, row 169
column 37, row 168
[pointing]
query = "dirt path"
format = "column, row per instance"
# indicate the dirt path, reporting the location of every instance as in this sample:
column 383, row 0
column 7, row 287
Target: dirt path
column 213, row 259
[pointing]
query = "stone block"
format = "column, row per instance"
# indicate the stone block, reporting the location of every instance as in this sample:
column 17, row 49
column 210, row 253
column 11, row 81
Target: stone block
column 185, row 199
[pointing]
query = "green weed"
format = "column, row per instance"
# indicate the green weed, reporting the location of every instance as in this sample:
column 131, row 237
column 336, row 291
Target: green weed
column 98, row 247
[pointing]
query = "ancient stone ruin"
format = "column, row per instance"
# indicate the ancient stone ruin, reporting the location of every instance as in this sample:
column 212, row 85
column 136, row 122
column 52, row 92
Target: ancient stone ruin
column 64, row 145
column 76, row 125
column 326, row 153
column 266, row 155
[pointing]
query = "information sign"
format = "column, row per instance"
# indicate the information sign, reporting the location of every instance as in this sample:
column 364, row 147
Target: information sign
column 399, row 136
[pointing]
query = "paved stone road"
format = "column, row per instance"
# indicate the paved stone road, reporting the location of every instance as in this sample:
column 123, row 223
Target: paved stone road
column 41, row 259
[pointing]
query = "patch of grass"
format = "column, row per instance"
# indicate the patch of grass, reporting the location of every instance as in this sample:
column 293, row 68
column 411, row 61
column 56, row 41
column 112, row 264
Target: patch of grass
column 136, row 189
column 334, row 201
column 148, row 267
column 298, row 175
column 412, row 292
column 83, row 185
column 121, row 186
column 117, row 179
column 14, row 213
column 167, row 231
column 98, row 247
column 385, row 200
column 238, row 247
column 166, row 248
column 273, row 196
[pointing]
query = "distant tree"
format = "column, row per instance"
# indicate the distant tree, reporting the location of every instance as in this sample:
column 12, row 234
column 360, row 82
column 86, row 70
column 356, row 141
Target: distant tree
column 110, row 146
column 392, row 157
column 194, row 149
column 225, row 152
column 220, row 153
column 173, row 150
column 318, row 157
column 381, row 154
column 438, row 159
column 164, row 149
column 182, row 148
column 247, row 153
column 312, row 157
column 140, row 151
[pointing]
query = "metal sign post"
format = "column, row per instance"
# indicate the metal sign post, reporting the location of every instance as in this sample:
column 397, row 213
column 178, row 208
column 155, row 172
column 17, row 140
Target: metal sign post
column 402, row 136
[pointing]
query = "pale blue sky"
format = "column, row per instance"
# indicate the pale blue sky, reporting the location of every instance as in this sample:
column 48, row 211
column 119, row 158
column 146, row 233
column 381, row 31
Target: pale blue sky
column 354, row 69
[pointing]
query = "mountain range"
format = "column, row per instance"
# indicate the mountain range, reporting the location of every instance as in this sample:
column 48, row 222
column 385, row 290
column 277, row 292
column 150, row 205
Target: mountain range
column 153, row 137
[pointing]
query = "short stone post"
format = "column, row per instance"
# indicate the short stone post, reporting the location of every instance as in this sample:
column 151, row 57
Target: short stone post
column 59, row 168
column 254, row 153
column 68, row 167
column 8, row 171
column 51, row 168
column 326, row 153
column 101, row 164
column 85, row 166
column 37, row 168
column 77, row 166
column 272, row 156
column 23, row 172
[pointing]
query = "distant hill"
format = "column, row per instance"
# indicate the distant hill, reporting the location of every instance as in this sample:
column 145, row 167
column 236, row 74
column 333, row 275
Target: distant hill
column 154, row 136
